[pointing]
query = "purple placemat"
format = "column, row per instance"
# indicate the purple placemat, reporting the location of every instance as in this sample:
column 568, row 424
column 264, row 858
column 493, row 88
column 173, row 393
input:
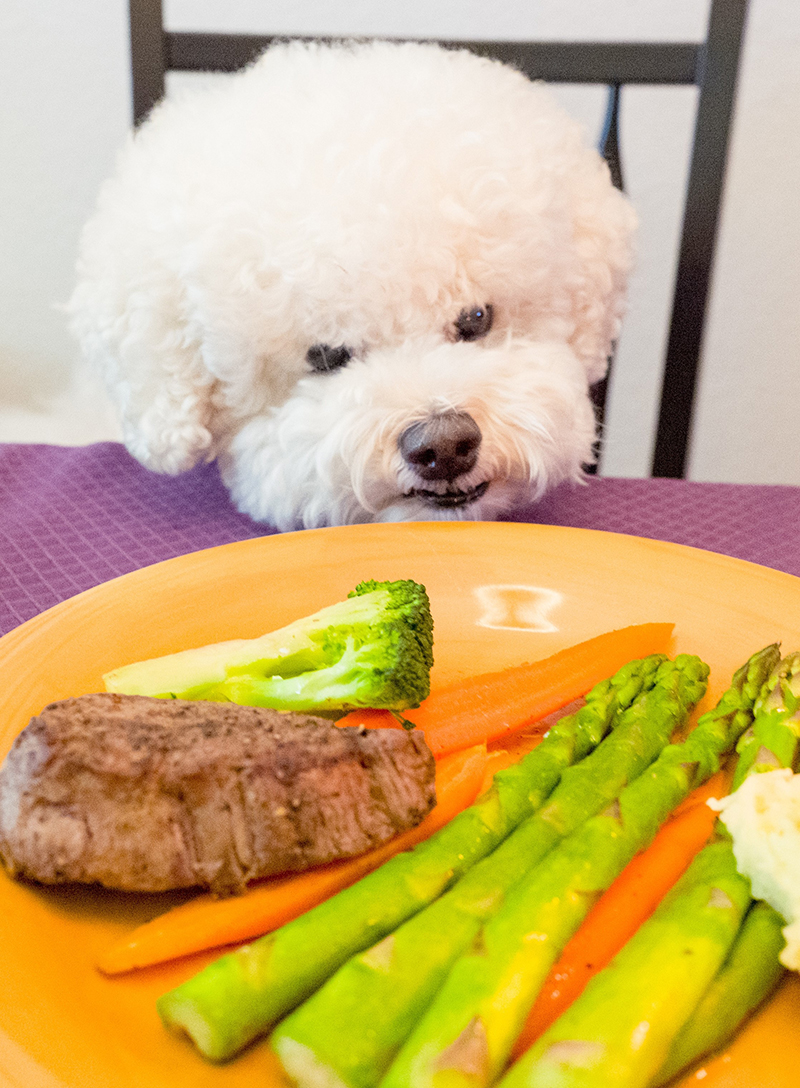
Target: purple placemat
column 73, row 517
column 749, row 521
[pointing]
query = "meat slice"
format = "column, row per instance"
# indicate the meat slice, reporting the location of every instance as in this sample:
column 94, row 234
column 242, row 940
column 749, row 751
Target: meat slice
column 148, row 794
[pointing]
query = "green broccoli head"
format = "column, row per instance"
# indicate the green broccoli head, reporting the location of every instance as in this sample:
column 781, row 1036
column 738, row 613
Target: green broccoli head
column 406, row 606
column 374, row 649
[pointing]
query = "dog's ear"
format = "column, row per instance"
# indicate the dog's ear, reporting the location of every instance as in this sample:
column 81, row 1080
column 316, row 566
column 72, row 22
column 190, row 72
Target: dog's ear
column 153, row 371
column 604, row 226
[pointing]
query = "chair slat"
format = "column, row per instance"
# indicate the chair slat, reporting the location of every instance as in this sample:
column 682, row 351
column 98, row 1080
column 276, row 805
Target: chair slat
column 148, row 56
column 554, row 62
column 718, row 73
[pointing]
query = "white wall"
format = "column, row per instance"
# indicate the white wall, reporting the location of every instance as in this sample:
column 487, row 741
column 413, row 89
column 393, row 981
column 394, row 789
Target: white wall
column 64, row 109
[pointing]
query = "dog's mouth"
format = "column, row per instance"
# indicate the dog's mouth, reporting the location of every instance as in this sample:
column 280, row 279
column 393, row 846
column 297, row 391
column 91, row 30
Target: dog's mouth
column 449, row 500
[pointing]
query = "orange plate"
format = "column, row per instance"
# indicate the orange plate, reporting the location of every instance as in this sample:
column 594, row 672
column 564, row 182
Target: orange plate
column 501, row 594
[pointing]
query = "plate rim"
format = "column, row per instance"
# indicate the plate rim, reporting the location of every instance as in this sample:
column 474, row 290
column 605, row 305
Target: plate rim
column 22, row 630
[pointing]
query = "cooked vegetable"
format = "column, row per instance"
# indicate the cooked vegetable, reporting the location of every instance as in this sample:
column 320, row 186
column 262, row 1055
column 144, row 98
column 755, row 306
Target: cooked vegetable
column 763, row 816
column 351, row 1028
column 243, row 994
column 374, row 649
column 468, row 1031
column 622, row 1026
column 747, row 978
column 486, row 708
column 206, row 922
column 620, row 911
column 773, row 739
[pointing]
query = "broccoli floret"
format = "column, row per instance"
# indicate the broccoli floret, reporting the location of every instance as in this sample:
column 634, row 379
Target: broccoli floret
column 374, row 649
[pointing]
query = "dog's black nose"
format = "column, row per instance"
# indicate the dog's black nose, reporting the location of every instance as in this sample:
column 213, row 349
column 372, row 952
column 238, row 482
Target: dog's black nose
column 442, row 447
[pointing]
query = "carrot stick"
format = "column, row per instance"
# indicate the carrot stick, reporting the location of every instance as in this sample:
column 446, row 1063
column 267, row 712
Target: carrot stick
column 506, row 752
column 205, row 923
column 620, row 911
column 485, row 708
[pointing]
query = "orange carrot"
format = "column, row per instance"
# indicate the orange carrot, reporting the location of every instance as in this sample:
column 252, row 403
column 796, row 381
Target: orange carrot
column 500, row 758
column 485, row 708
column 719, row 785
column 205, row 923
column 620, row 911
column 504, row 753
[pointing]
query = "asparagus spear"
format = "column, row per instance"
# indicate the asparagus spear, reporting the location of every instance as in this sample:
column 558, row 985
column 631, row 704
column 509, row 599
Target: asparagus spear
column 354, row 1024
column 619, row 1029
column 242, row 995
column 772, row 740
column 468, row 1030
column 622, row 1026
column 752, row 971
column 747, row 978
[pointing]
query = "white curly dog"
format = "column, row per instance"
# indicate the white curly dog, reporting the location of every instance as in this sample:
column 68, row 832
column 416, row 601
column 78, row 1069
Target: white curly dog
column 374, row 280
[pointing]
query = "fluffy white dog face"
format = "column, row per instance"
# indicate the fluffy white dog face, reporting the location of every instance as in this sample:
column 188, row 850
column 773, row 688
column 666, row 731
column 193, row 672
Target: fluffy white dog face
column 376, row 282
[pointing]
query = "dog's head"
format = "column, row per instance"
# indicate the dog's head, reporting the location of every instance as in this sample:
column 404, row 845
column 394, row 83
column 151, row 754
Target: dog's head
column 376, row 281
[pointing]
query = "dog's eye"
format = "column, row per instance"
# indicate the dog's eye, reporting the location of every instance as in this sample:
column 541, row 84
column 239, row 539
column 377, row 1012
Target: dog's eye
column 475, row 323
column 323, row 357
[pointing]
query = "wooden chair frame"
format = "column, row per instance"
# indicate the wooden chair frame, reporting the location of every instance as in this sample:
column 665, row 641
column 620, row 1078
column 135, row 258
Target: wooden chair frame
column 711, row 65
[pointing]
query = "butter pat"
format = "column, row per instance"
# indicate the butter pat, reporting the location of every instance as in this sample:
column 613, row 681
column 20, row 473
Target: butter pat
column 763, row 816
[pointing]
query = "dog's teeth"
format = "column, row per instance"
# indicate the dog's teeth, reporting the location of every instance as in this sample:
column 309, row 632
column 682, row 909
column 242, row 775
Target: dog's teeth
column 449, row 499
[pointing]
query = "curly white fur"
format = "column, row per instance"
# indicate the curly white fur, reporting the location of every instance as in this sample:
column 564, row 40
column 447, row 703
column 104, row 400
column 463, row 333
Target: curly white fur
column 360, row 195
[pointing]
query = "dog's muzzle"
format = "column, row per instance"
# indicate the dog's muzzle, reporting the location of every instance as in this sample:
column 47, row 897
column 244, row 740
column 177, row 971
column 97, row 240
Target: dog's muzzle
column 443, row 448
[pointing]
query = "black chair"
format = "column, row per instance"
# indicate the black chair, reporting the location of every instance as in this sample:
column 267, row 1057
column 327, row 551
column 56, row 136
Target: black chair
column 711, row 65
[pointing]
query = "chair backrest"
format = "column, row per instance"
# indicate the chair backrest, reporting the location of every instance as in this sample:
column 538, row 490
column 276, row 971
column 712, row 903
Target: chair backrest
column 711, row 65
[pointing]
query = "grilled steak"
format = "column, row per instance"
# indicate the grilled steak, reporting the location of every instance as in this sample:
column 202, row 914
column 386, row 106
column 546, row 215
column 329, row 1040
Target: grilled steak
column 149, row 794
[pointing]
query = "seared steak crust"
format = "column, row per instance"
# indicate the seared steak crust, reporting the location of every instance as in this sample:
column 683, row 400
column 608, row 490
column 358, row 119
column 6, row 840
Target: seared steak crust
column 149, row 794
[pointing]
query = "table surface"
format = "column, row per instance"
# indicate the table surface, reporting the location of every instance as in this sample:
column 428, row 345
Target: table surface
column 73, row 517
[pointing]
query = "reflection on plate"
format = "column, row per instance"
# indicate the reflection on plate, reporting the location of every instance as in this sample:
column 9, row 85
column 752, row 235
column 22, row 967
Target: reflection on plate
column 501, row 594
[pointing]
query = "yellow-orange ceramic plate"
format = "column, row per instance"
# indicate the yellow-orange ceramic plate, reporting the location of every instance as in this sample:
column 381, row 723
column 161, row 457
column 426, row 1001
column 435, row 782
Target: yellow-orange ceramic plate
column 501, row 594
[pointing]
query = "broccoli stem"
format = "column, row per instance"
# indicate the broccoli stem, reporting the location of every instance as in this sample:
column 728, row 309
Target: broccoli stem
column 243, row 994
column 332, row 687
